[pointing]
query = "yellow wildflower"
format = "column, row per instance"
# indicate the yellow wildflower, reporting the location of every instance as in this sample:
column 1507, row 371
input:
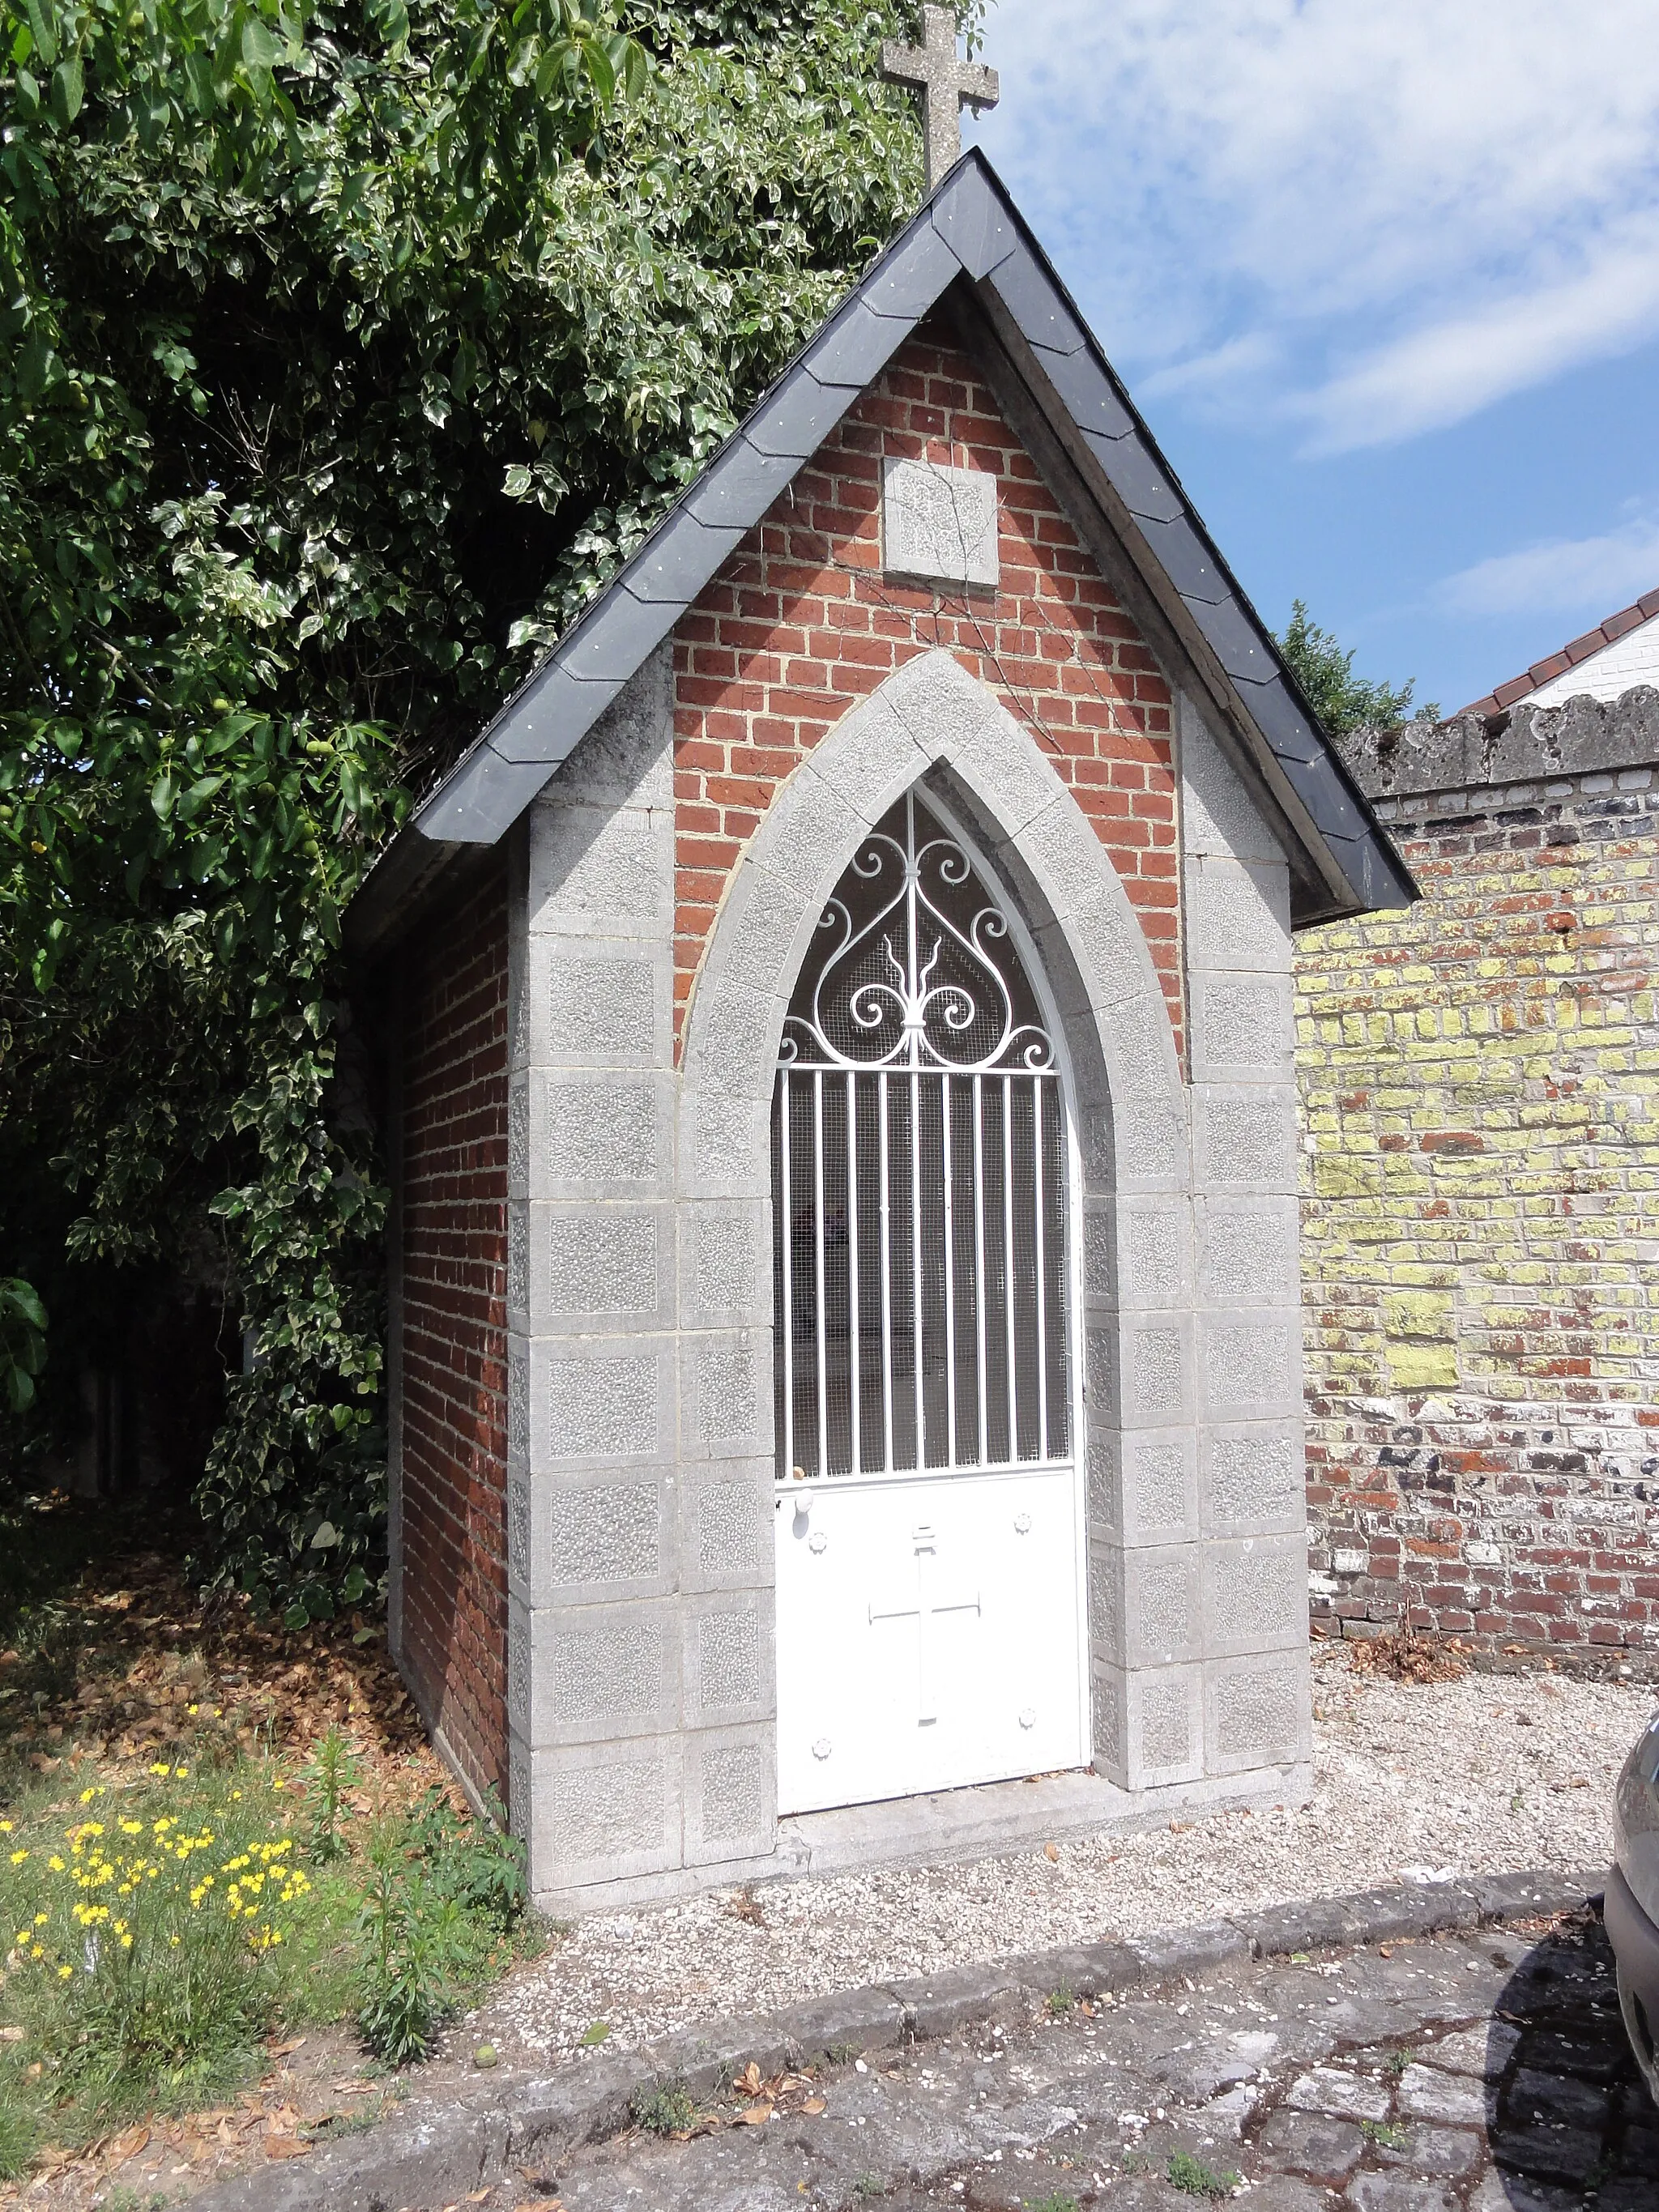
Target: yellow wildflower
column 160, row 1767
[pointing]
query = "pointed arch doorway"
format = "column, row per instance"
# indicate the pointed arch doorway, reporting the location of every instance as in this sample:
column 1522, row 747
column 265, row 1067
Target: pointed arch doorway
column 928, row 1512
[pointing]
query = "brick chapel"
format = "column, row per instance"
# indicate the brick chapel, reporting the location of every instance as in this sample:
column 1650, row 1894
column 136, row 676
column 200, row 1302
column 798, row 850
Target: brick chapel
column 847, row 1342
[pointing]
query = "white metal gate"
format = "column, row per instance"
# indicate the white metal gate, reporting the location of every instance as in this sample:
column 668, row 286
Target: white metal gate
column 928, row 1521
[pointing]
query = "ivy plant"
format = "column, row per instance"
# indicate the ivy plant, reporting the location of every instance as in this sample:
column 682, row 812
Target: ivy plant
column 345, row 348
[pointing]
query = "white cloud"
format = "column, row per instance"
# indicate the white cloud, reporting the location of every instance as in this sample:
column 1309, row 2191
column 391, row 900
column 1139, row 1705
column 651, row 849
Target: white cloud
column 1568, row 576
column 1378, row 215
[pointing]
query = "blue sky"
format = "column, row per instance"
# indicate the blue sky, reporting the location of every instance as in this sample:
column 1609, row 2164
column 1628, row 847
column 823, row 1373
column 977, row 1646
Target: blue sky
column 1383, row 276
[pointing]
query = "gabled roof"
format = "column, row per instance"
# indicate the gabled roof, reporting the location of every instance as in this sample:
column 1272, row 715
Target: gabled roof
column 967, row 233
column 1594, row 641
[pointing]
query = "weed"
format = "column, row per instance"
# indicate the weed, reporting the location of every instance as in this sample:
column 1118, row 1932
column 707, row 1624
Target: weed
column 664, row 2109
column 844, row 2054
column 1060, row 2001
column 867, row 2186
column 1384, row 2133
column 1050, row 2203
column 594, row 2032
column 331, row 1772
column 20, row 2126
column 122, row 2199
column 1398, row 2061
column 1191, row 2175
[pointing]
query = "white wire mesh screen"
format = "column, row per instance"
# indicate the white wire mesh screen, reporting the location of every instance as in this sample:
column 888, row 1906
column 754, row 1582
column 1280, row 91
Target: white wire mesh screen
column 919, row 1183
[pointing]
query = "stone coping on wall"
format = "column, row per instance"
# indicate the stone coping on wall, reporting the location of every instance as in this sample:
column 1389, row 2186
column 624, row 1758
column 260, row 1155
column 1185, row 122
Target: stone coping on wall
column 1582, row 739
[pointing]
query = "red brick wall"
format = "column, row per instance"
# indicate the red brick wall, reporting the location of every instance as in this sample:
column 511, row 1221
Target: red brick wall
column 1479, row 1078
column 453, row 1075
column 800, row 625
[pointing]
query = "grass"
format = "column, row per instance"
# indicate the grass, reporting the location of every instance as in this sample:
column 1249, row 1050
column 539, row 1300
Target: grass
column 664, row 2109
column 1195, row 2178
column 1386, row 2134
column 1060, row 2001
column 211, row 1831
column 1050, row 2205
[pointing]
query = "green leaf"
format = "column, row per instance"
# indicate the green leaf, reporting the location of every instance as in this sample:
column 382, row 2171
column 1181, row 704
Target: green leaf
column 67, row 90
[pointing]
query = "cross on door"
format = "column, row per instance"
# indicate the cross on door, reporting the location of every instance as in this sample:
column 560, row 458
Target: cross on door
column 947, row 86
column 928, row 1604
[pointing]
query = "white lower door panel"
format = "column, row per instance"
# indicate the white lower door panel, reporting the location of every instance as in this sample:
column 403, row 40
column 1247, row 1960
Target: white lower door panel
column 929, row 1634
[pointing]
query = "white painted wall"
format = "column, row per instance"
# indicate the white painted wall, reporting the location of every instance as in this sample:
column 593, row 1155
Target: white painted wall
column 1629, row 660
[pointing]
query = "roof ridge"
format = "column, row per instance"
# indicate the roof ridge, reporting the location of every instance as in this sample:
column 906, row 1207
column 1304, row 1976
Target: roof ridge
column 1607, row 632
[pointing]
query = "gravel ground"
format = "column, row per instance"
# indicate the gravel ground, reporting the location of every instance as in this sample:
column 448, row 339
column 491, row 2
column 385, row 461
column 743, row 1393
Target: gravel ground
column 1489, row 1774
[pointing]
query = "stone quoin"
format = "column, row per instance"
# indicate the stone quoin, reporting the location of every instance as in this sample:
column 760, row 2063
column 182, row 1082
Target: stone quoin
column 847, row 1329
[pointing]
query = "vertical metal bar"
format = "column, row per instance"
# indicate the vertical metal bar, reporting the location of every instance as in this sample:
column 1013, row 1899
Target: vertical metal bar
column 817, row 1243
column 855, row 1355
column 950, row 1282
column 979, row 1263
column 915, row 1261
column 1042, row 1278
column 1008, row 1262
column 787, row 1233
column 886, row 1281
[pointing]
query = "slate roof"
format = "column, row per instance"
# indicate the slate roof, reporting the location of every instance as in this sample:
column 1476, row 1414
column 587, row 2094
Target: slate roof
column 968, row 229
column 1570, row 657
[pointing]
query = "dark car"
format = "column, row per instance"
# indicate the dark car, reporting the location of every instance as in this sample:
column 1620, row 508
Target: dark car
column 1632, row 1903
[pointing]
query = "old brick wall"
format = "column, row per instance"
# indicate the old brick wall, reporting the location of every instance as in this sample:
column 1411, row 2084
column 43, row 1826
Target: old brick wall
column 1481, row 1170
column 451, row 1566
column 801, row 624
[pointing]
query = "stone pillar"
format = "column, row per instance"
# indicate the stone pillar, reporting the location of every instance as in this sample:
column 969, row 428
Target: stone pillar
column 595, row 1663
column 1252, row 1508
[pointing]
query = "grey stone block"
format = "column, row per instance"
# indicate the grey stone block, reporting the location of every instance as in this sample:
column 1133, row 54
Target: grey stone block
column 1248, row 1253
column 939, row 523
column 1159, row 1370
column 1324, row 1923
column 726, row 1272
column 423, row 2154
column 1246, row 1137
column 1146, row 1147
column 725, row 1380
column 1153, row 1239
column 731, row 1796
column 730, row 1667
column 1535, row 1896
column 606, row 1012
column 1255, row 1595
column 602, row 1263
column 1087, row 1970
column 560, row 2111
column 1239, row 916
column 1158, row 1498
column 626, row 759
column 1326, row 2150
column 518, row 1140
column 1242, row 1029
column 854, row 2020
column 604, row 1135
column 603, row 1672
column 1218, row 817
column 1184, row 1950
column 599, row 871
column 613, row 1399
column 604, row 1536
column 724, row 1144
column 1257, row 1713
column 603, row 1812
column 941, row 2004
column 1413, row 1909
column 1250, row 1365
column 1250, row 1479
column 1161, row 1623
column 1165, row 1735
column 728, row 1539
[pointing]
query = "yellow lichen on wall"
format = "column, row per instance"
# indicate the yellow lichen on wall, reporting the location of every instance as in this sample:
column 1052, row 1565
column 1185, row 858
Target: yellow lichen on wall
column 1479, row 1078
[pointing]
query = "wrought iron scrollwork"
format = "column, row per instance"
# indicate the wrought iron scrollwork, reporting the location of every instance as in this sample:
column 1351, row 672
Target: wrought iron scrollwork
column 913, row 966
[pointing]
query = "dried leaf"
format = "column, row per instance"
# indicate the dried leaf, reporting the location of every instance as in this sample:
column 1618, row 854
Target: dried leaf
column 286, row 2147
column 1051, row 1851
column 755, row 2115
column 814, row 2104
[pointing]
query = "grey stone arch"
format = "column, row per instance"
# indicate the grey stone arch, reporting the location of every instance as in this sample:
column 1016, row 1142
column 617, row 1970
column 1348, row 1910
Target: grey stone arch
column 931, row 723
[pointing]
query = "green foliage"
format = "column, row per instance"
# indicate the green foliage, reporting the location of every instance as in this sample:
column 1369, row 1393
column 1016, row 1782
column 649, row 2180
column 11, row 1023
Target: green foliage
column 1192, row 2176
column 1060, row 2001
column 1343, row 701
column 331, row 1773
column 22, row 1342
column 439, row 1895
column 1050, row 2205
column 345, row 350
column 664, row 2109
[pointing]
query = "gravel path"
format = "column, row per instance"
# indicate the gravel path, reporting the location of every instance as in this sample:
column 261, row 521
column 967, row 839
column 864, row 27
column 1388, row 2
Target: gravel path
column 1485, row 1775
